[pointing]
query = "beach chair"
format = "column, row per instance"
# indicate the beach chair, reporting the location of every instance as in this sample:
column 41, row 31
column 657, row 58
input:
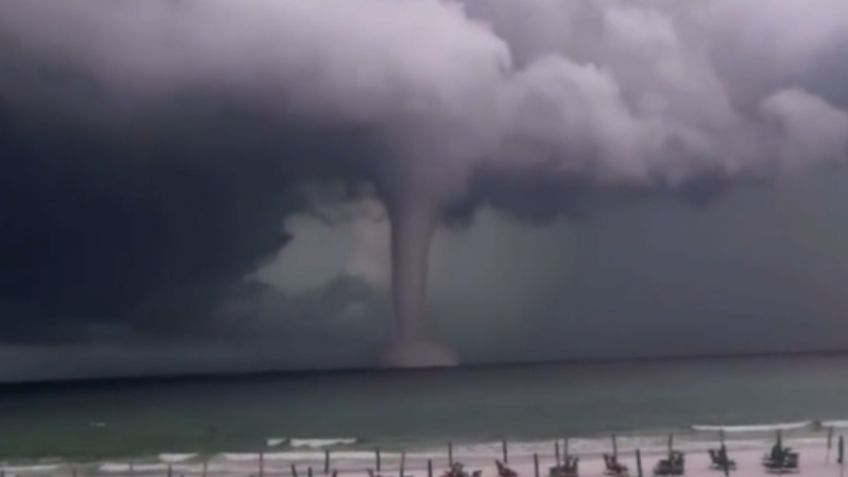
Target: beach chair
column 504, row 471
column 777, row 454
column 567, row 469
column 458, row 470
column 792, row 462
column 675, row 464
column 613, row 466
column 719, row 460
column 571, row 465
column 784, row 463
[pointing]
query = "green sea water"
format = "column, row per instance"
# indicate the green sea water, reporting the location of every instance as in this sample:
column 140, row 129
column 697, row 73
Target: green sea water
column 402, row 409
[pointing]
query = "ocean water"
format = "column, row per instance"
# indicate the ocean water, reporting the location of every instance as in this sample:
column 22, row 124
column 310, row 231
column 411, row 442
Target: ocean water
column 354, row 412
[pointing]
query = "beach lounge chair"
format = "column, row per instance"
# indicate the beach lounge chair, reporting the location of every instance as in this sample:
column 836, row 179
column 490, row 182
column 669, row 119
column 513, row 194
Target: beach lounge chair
column 783, row 463
column 458, row 470
column 792, row 461
column 781, row 459
column 675, row 464
column 720, row 460
column 370, row 472
column 776, row 454
column 613, row 467
column 571, row 465
column 504, row 471
column 567, row 469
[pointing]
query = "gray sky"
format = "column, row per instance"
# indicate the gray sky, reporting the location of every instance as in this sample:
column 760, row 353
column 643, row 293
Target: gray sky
column 207, row 185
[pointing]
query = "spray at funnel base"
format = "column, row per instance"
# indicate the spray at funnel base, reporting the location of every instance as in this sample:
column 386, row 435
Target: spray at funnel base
column 412, row 231
column 419, row 353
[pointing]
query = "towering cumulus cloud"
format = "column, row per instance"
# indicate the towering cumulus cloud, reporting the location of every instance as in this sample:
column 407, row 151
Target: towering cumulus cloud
column 538, row 107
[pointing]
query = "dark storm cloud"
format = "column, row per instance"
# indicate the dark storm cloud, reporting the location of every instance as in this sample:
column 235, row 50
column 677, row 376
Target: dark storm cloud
column 143, row 227
column 151, row 150
column 539, row 195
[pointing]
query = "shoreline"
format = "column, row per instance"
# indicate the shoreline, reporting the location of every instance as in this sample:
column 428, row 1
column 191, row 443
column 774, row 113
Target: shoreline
column 815, row 460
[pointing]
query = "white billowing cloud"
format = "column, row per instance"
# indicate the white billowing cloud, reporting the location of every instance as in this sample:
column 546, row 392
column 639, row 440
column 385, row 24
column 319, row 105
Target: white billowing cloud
column 610, row 91
column 676, row 87
column 369, row 258
column 810, row 129
column 575, row 112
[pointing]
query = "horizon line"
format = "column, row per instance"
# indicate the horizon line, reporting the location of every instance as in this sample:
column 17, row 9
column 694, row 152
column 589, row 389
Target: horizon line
column 259, row 374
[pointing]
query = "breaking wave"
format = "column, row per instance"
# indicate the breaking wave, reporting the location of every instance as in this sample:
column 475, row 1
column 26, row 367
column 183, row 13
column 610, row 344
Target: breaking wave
column 315, row 443
column 781, row 426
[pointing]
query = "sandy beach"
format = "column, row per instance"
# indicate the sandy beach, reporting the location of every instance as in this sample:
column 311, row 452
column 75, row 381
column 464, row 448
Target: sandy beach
column 815, row 460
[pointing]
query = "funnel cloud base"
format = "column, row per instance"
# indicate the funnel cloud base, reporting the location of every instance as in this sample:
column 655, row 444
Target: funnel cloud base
column 417, row 353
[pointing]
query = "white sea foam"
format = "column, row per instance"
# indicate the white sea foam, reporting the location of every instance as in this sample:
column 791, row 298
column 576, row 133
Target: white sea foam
column 240, row 456
column 275, row 441
column 114, row 467
column 30, row 468
column 122, row 467
column 294, row 456
column 357, row 455
column 782, row 426
column 174, row 458
column 834, row 424
column 322, row 442
column 336, row 456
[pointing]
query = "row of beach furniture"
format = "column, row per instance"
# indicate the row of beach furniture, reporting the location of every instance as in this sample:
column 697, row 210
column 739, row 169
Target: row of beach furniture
column 674, row 464
column 779, row 460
